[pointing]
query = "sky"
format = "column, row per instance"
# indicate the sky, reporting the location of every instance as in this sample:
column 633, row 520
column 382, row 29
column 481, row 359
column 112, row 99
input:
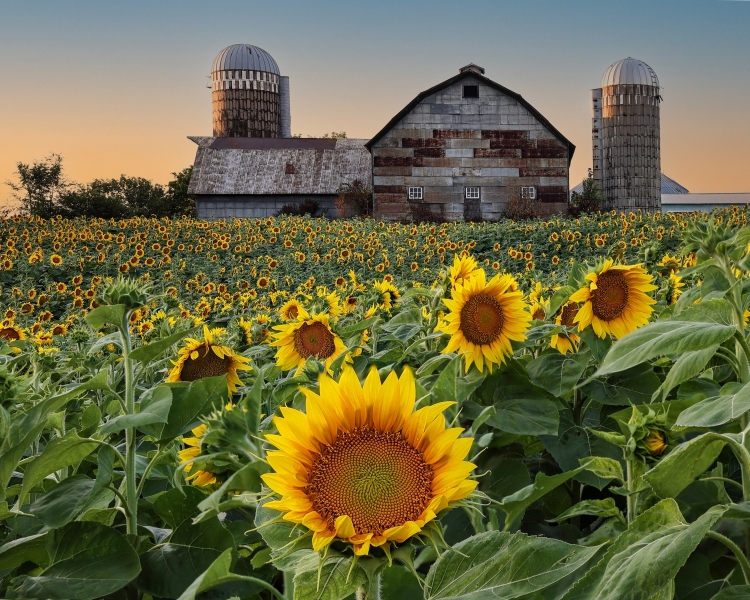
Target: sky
column 116, row 87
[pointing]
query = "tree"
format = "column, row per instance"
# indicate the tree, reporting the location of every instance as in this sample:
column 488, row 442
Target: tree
column 591, row 199
column 178, row 201
column 354, row 198
column 40, row 186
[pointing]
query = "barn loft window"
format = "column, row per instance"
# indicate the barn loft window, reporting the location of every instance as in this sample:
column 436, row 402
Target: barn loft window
column 528, row 193
column 415, row 193
column 471, row 91
column 472, row 193
column 289, row 169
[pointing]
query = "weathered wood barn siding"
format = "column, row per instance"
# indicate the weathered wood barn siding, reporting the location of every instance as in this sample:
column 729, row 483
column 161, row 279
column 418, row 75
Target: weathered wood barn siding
column 444, row 142
column 255, row 177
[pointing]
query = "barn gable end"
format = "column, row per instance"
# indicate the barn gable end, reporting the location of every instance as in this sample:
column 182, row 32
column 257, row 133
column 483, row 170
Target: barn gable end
column 448, row 139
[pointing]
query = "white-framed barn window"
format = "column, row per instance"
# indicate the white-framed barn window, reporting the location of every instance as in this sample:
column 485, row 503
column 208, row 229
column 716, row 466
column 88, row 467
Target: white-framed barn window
column 472, row 193
column 415, row 193
column 528, row 193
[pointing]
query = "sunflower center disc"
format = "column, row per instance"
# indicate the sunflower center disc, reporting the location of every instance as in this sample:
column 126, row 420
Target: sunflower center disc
column 206, row 365
column 314, row 340
column 611, row 296
column 538, row 314
column 482, row 319
column 569, row 313
column 9, row 334
column 375, row 477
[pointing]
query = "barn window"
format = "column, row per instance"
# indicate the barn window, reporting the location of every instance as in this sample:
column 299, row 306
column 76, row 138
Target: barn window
column 471, row 91
column 415, row 193
column 472, row 193
column 528, row 193
column 289, row 169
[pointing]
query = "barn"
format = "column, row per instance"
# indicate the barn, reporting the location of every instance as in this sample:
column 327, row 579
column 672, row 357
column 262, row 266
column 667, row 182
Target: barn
column 465, row 148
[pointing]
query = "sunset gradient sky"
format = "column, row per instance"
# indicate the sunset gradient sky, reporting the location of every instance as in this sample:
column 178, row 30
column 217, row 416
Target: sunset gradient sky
column 115, row 87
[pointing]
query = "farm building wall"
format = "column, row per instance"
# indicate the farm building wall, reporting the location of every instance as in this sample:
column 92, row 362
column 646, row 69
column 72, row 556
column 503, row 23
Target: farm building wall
column 229, row 206
column 447, row 142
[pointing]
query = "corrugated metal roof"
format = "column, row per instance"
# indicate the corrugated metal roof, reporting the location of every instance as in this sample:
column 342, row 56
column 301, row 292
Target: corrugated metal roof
column 245, row 57
column 310, row 169
column 668, row 186
column 629, row 71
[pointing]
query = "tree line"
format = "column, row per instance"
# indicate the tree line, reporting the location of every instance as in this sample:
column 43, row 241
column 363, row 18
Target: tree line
column 42, row 189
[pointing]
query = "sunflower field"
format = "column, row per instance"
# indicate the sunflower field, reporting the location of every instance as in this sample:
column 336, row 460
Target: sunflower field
column 297, row 408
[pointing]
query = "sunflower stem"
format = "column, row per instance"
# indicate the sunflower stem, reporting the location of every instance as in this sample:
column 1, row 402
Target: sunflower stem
column 289, row 585
column 630, row 498
column 744, row 564
column 131, row 493
column 371, row 591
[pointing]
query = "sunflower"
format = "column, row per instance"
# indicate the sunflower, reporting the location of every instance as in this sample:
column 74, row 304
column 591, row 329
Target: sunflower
column 675, row 285
column 10, row 333
column 200, row 359
column 615, row 300
column 484, row 318
column 360, row 465
column 310, row 336
column 291, row 310
column 193, row 450
column 566, row 317
column 463, row 268
column 538, row 310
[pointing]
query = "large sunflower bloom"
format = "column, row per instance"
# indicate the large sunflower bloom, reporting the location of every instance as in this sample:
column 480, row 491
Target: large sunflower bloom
column 566, row 317
column 10, row 333
column 360, row 465
column 484, row 318
column 199, row 359
column 615, row 300
column 193, row 450
column 309, row 336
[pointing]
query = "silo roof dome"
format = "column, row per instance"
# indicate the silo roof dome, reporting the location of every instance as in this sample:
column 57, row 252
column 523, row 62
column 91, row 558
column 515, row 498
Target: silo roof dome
column 629, row 71
column 245, row 57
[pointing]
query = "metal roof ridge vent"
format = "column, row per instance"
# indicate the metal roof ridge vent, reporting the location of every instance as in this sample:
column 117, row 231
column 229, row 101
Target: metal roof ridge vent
column 473, row 68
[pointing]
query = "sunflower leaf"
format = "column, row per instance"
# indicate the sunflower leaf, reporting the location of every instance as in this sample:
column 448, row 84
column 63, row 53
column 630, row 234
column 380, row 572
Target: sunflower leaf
column 334, row 579
column 153, row 409
column 503, row 565
column 152, row 350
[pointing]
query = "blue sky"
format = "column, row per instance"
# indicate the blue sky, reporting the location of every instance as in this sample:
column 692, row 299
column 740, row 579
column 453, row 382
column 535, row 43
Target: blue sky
column 116, row 87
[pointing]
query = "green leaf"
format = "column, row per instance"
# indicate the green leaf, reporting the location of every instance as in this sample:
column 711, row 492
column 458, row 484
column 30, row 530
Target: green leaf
column 154, row 409
column 178, row 505
column 558, row 373
column 598, row 508
column 330, row 581
column 88, row 560
column 674, row 336
column 58, row 454
column 685, row 368
column 65, row 501
column 281, row 536
column 716, row 411
column 189, row 402
column 559, row 298
column 113, row 314
column 169, row 568
column 631, row 386
column 515, row 504
column 606, row 468
column 736, row 592
column 526, row 417
column 501, row 565
column 247, row 479
column 149, row 352
column 684, row 464
column 26, row 427
column 644, row 560
column 218, row 574
column 32, row 548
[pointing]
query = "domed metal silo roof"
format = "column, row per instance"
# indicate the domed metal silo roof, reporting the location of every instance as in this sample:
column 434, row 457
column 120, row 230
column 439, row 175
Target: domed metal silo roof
column 629, row 71
column 245, row 57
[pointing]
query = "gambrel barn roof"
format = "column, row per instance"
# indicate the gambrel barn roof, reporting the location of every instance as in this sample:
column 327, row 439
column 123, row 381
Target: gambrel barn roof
column 262, row 166
column 484, row 80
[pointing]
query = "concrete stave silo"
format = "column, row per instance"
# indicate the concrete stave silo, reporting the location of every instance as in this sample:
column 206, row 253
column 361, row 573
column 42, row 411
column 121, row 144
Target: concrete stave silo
column 246, row 93
column 626, row 136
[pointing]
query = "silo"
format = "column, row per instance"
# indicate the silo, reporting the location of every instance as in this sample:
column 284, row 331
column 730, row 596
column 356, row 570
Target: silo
column 245, row 93
column 626, row 136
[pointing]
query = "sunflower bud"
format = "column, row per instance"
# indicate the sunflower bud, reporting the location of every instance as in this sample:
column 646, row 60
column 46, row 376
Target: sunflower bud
column 128, row 292
column 656, row 442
